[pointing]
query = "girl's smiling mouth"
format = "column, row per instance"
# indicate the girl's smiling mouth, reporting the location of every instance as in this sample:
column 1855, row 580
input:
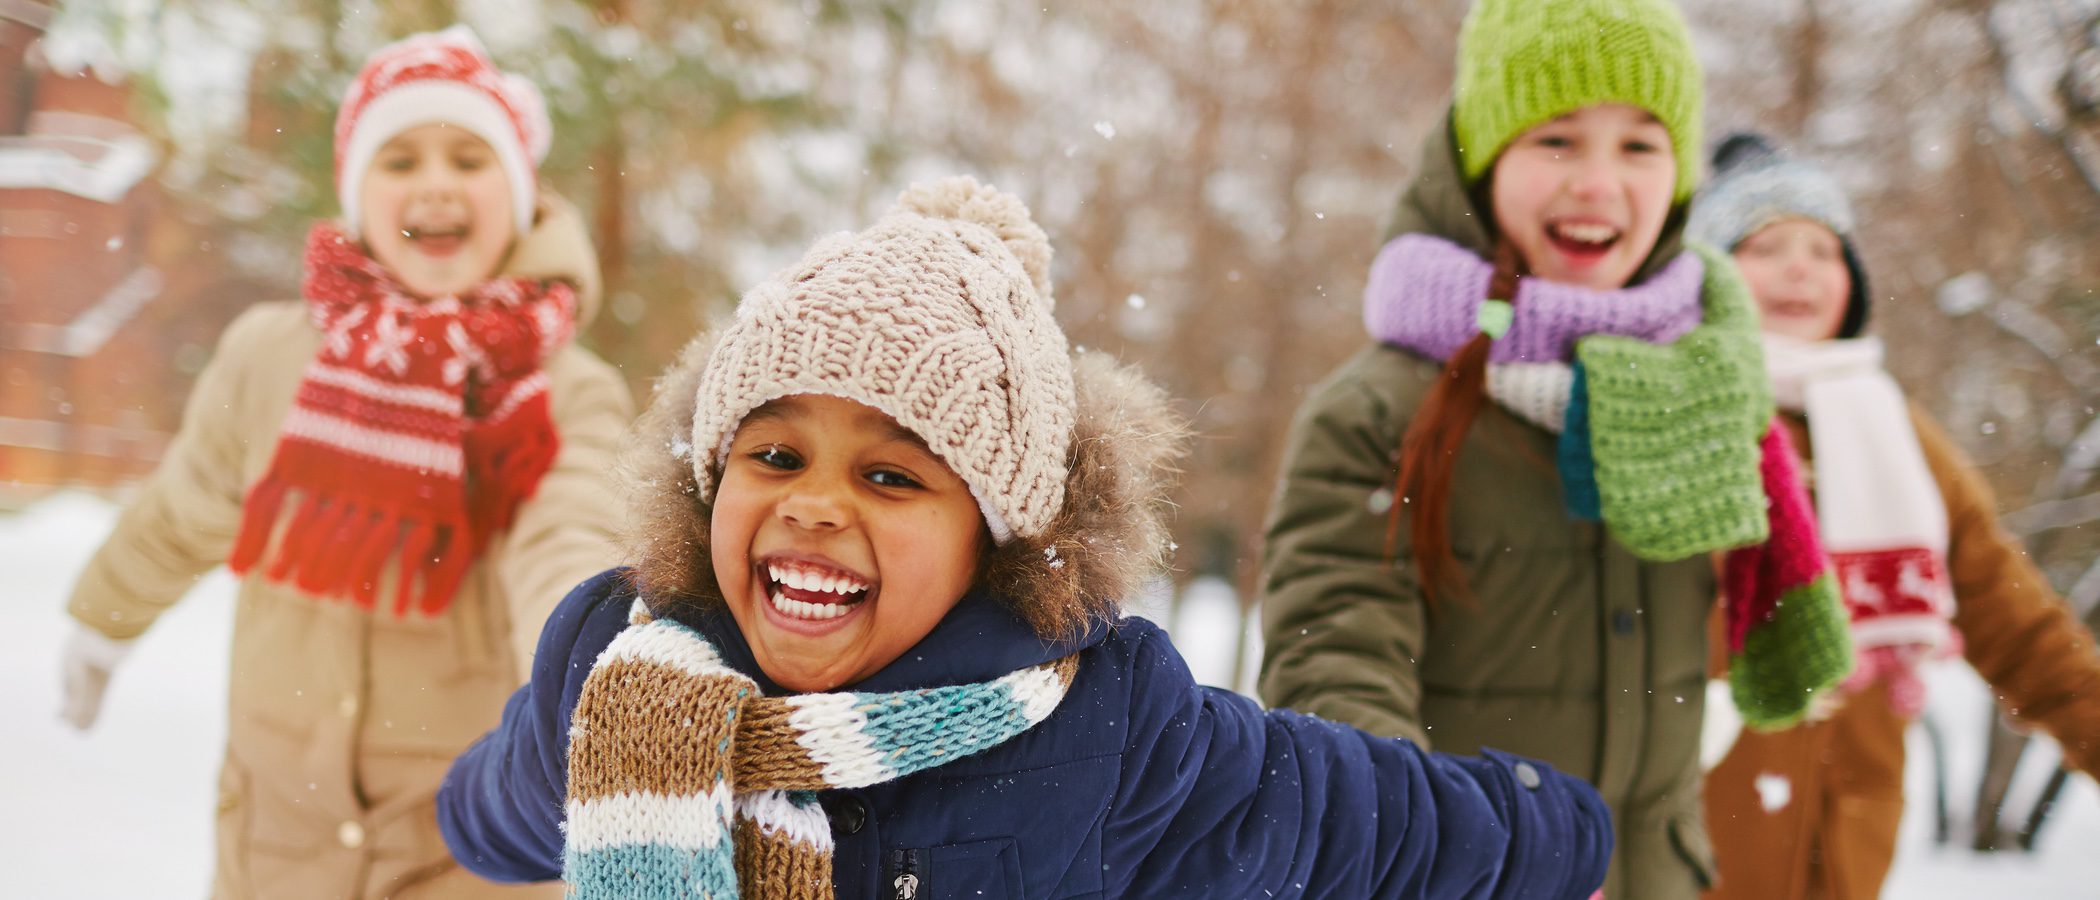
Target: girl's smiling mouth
column 810, row 592
column 437, row 240
column 1582, row 241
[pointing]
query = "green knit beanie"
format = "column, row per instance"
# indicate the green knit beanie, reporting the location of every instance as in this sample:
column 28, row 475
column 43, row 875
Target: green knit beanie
column 1525, row 62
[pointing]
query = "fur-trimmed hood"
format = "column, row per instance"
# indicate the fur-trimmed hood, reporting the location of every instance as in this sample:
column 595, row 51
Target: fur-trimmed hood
column 1107, row 538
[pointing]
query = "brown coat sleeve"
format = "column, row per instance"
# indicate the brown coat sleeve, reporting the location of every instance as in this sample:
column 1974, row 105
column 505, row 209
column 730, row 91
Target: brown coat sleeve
column 2016, row 631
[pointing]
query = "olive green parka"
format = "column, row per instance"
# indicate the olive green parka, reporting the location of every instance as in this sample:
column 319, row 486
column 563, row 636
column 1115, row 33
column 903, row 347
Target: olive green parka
column 1565, row 646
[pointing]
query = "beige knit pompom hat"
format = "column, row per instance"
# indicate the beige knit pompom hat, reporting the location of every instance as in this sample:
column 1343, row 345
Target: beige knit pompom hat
column 939, row 316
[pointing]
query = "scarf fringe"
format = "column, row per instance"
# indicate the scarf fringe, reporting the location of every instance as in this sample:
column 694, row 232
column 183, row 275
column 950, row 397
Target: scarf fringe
column 338, row 548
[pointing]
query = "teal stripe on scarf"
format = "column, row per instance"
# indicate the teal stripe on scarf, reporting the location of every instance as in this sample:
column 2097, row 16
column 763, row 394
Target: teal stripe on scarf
column 651, row 872
column 973, row 717
column 1578, row 469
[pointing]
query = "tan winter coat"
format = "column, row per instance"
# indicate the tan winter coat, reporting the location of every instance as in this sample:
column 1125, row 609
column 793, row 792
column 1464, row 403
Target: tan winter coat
column 1835, row 836
column 341, row 722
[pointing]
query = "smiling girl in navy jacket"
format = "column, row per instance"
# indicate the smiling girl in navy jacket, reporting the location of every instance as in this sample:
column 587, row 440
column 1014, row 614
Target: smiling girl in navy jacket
column 869, row 642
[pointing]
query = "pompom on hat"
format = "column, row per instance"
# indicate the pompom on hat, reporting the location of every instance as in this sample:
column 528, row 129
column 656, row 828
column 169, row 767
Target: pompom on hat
column 939, row 316
column 1522, row 63
column 441, row 76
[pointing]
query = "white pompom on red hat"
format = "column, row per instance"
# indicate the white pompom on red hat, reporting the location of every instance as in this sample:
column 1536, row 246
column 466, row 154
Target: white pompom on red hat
column 441, row 76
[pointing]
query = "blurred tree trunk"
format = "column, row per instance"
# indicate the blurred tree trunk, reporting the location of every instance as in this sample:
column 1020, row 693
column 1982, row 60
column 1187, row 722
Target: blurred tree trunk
column 609, row 166
column 1805, row 88
column 1298, row 105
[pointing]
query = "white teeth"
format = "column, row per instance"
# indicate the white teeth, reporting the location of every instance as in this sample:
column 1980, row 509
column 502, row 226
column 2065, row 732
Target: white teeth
column 1587, row 233
column 803, row 580
column 814, row 611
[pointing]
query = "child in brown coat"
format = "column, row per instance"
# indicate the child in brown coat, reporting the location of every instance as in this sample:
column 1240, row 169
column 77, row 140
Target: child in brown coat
column 1912, row 528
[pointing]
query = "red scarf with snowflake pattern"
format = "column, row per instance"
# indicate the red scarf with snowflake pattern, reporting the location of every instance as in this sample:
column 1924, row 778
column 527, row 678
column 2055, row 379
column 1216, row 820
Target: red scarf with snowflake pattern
column 416, row 431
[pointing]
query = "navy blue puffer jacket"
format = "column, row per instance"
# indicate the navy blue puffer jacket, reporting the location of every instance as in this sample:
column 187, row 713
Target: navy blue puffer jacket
column 1141, row 784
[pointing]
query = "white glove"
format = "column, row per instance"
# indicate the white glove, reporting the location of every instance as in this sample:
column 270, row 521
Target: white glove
column 84, row 669
column 1723, row 724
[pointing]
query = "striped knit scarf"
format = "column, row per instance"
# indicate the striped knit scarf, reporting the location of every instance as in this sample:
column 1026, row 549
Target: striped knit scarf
column 1880, row 509
column 415, row 433
column 685, row 782
column 1666, row 433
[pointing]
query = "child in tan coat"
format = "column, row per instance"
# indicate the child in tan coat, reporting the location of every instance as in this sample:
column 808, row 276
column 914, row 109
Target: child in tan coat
column 406, row 469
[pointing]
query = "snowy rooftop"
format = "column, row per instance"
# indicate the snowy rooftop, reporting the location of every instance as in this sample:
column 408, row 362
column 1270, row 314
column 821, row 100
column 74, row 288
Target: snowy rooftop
column 96, row 168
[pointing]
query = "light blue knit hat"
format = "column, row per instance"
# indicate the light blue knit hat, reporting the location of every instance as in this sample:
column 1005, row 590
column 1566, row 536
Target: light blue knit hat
column 1754, row 185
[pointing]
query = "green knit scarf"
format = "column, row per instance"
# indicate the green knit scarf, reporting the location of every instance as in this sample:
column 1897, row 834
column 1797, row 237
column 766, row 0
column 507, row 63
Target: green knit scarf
column 1674, row 428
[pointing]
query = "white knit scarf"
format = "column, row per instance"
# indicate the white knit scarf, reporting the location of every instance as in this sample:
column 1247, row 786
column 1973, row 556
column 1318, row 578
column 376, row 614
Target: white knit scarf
column 1882, row 515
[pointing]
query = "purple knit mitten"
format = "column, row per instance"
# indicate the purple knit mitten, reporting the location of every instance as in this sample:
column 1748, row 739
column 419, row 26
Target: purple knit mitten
column 1424, row 295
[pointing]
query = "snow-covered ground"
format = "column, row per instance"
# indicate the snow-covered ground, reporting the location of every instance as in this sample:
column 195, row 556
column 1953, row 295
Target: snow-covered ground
column 125, row 811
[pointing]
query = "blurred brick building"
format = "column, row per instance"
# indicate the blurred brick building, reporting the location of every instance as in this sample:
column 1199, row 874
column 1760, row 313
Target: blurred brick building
column 82, row 383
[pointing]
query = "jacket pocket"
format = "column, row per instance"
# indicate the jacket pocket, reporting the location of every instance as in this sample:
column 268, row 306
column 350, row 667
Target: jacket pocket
column 236, row 812
column 988, row 869
column 1688, row 838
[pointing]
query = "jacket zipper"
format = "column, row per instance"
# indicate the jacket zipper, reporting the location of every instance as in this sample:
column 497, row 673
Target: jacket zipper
column 906, row 887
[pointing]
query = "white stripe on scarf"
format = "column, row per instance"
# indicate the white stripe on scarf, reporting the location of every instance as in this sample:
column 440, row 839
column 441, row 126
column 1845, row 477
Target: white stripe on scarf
column 690, row 822
column 1874, row 490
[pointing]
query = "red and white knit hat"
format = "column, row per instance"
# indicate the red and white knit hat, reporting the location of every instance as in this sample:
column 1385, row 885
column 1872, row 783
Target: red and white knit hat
column 441, row 76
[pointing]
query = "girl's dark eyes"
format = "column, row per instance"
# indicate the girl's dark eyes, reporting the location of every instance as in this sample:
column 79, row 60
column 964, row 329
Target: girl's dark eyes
column 1642, row 147
column 469, row 163
column 398, row 163
column 890, row 478
column 777, row 457
column 1555, row 141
